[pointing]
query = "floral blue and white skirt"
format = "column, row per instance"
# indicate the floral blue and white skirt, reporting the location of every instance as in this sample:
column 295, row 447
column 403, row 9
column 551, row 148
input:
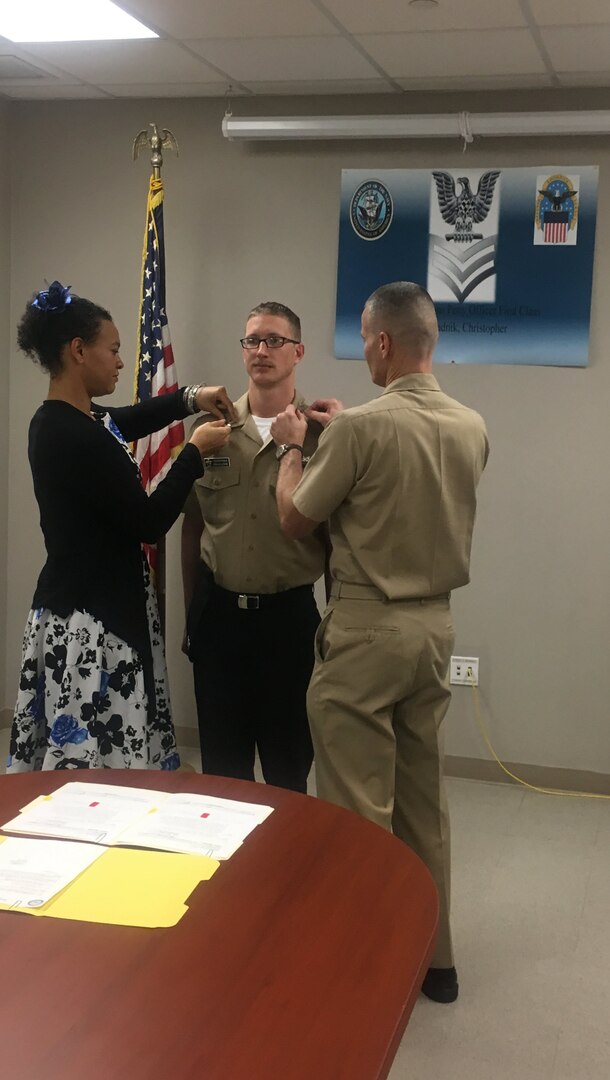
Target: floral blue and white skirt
column 82, row 702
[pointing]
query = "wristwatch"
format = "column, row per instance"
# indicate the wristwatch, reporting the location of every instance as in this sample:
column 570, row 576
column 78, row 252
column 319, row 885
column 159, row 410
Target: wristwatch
column 284, row 447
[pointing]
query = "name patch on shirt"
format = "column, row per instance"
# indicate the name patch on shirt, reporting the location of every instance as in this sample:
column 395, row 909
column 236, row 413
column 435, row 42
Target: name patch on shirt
column 216, row 462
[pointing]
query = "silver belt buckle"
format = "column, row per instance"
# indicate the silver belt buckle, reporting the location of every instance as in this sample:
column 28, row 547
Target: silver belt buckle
column 248, row 603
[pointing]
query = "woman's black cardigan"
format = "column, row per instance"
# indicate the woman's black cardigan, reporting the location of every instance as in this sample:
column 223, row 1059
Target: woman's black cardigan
column 94, row 513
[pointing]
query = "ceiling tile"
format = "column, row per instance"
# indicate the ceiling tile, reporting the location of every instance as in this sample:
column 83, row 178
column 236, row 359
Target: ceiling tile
column 584, row 78
column 125, row 61
column 51, row 92
column 569, row 12
column 297, row 47
column 15, row 67
column 482, row 52
column 239, row 18
column 477, row 82
column 165, row 90
column 285, row 59
column 390, row 16
column 584, row 48
column 323, row 86
column 36, row 62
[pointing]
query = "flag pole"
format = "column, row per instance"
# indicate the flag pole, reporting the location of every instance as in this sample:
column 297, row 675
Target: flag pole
column 154, row 371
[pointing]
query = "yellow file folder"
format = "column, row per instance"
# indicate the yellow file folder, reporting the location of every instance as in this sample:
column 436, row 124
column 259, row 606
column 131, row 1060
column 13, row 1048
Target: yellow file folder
column 130, row 887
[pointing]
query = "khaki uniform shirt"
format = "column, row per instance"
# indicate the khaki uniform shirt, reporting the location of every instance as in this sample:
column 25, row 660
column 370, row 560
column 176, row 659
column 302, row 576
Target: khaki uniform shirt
column 242, row 542
column 397, row 478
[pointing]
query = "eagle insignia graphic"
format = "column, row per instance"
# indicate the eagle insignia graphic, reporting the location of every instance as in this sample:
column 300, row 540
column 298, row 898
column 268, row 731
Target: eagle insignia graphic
column 557, row 199
column 462, row 263
column 557, row 208
column 465, row 209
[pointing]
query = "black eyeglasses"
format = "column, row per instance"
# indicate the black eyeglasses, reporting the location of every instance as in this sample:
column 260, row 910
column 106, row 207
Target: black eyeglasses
column 273, row 341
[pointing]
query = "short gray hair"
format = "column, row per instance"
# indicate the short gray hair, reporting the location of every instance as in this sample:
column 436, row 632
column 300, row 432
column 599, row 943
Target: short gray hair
column 406, row 312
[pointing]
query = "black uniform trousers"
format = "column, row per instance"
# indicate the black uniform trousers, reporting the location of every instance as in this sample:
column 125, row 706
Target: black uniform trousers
column 252, row 665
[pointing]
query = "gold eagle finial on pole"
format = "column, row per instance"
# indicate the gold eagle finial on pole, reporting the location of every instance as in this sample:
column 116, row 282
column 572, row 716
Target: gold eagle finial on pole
column 157, row 143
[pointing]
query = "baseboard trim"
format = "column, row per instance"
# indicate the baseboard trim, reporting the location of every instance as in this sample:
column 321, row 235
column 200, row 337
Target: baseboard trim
column 463, row 768
column 546, row 776
column 186, row 736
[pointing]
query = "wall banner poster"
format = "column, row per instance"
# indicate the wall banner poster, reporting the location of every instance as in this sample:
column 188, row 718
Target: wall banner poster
column 506, row 255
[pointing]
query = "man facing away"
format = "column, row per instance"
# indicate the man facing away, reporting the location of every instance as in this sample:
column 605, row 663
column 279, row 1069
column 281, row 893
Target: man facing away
column 396, row 479
column 251, row 613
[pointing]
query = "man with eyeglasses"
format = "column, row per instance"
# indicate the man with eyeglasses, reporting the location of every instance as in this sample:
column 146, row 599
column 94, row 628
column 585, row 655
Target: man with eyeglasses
column 251, row 612
column 396, row 479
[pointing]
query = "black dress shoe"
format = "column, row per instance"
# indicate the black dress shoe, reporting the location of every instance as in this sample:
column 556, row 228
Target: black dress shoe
column 441, row 984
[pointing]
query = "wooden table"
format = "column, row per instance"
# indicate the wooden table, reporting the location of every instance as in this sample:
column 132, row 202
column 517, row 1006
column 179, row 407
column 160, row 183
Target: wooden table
column 300, row 959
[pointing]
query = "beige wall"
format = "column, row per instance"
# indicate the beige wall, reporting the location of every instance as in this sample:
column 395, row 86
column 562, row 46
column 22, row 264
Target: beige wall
column 5, row 220
column 249, row 222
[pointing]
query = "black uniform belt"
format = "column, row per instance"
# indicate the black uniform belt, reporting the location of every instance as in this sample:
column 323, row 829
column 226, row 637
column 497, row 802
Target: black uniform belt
column 260, row 601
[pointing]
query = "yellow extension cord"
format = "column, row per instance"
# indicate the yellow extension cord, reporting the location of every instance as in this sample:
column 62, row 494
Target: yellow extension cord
column 532, row 787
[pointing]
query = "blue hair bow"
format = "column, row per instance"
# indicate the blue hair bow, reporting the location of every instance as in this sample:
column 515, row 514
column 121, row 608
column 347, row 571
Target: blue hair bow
column 55, row 298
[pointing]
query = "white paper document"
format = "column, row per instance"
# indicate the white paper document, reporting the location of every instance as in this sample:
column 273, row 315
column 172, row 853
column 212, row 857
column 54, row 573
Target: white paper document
column 33, row 871
column 93, row 812
column 196, row 824
column 135, row 817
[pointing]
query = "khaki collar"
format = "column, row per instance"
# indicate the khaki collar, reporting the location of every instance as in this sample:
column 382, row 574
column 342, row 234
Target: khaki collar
column 242, row 407
column 244, row 416
column 416, row 380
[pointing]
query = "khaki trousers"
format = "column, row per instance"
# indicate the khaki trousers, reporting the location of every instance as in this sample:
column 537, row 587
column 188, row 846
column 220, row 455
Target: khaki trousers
column 376, row 702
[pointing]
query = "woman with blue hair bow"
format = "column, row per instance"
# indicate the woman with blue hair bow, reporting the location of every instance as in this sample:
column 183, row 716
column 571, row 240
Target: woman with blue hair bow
column 93, row 688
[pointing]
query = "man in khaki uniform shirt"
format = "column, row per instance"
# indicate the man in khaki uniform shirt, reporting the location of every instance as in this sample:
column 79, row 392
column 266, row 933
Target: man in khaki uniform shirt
column 396, row 479
column 248, row 588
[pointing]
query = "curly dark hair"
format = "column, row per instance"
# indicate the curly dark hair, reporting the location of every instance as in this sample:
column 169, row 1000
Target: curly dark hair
column 42, row 334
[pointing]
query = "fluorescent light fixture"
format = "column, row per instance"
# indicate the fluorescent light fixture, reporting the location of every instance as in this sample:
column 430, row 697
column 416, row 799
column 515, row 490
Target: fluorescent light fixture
column 433, row 126
column 69, row 20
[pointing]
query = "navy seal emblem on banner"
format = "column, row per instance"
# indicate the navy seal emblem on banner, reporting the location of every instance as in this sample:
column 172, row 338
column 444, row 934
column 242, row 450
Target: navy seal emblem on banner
column 371, row 210
column 462, row 259
column 556, row 216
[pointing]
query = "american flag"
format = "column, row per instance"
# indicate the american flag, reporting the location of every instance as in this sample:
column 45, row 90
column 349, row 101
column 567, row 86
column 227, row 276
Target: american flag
column 155, row 369
column 555, row 226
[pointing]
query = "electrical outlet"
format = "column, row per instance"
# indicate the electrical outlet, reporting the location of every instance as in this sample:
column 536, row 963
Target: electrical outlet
column 464, row 671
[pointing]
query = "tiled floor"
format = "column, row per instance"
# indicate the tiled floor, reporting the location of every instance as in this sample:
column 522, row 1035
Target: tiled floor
column 531, row 906
column 531, row 917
